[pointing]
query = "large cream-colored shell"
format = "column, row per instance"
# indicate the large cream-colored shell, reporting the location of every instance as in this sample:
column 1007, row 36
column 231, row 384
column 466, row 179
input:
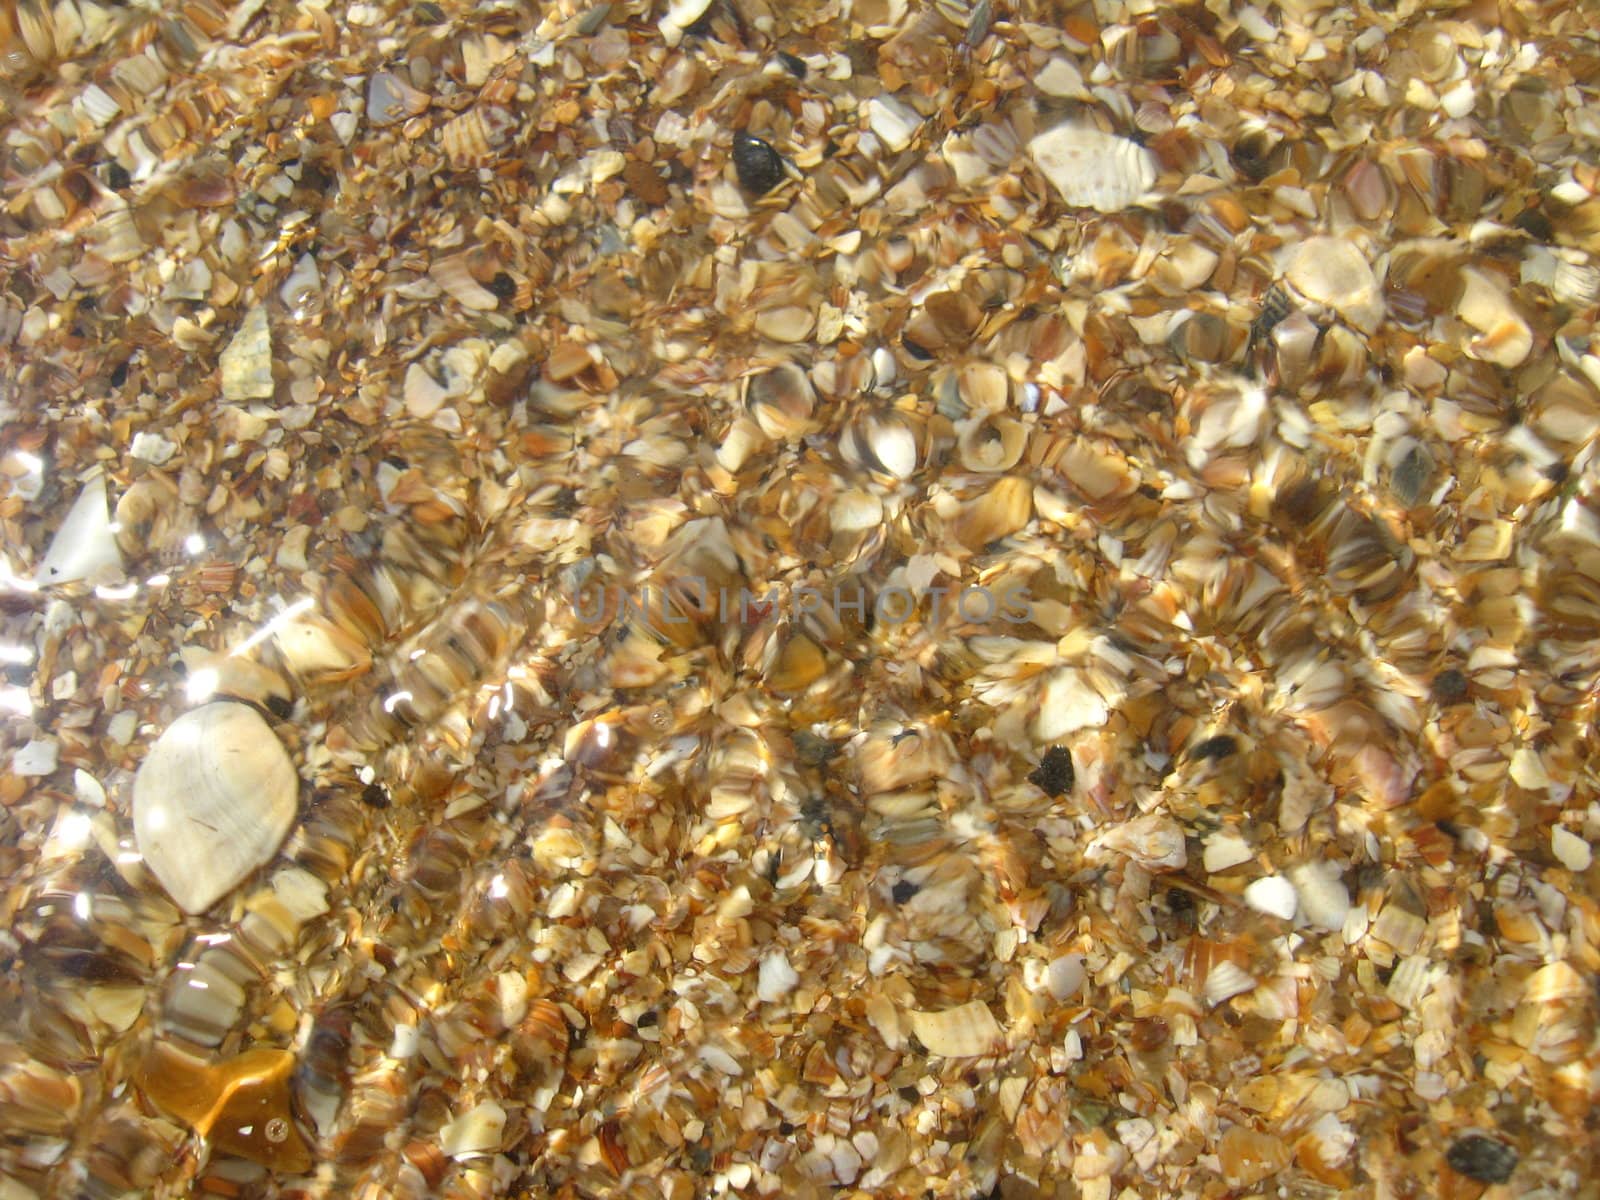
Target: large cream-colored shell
column 963, row 1032
column 212, row 801
column 1092, row 169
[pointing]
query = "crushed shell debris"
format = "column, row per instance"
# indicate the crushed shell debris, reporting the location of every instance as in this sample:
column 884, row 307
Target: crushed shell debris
column 723, row 598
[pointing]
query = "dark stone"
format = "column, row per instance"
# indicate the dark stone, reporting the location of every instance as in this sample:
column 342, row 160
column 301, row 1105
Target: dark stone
column 1449, row 687
column 758, row 165
column 1482, row 1158
column 1054, row 775
column 374, row 795
column 117, row 176
column 503, row 286
column 1215, row 747
column 1535, row 224
column 903, row 890
column 119, row 374
column 795, row 66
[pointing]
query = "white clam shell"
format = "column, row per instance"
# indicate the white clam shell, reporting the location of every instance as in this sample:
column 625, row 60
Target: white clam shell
column 964, row 1032
column 1092, row 169
column 212, row 801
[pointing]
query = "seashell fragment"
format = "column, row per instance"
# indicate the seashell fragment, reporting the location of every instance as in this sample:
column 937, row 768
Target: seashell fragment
column 998, row 513
column 85, row 545
column 992, row 443
column 1273, row 895
column 895, row 122
column 964, row 1032
column 240, row 1105
column 781, row 400
column 680, row 15
column 391, row 100
column 301, row 292
column 474, row 1133
column 1570, row 850
column 1154, row 841
column 1484, row 305
column 454, row 275
column 883, row 443
column 247, row 361
column 1324, row 900
column 777, row 978
column 1249, row 1157
column 1065, row 975
column 1334, row 272
column 212, row 801
column 473, row 138
column 1092, row 169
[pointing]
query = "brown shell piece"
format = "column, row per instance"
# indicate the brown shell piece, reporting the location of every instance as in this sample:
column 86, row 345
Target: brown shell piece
column 240, row 1105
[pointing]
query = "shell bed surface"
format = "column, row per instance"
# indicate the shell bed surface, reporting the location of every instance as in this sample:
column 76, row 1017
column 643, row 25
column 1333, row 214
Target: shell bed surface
column 864, row 678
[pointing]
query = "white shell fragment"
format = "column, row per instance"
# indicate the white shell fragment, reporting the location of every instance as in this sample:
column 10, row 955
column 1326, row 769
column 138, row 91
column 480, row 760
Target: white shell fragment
column 1570, row 850
column 212, row 801
column 1506, row 339
column 777, row 978
column 151, row 448
column 1324, row 900
column 1154, row 841
column 247, row 361
column 1334, row 272
column 679, row 16
column 85, row 545
column 1092, row 169
column 391, row 99
column 1274, row 896
column 474, row 1133
column 963, row 1032
column 1065, row 975
column 37, row 758
column 894, row 121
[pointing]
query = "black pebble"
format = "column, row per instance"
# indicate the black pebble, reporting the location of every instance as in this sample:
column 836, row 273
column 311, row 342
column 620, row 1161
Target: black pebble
column 1214, row 747
column 119, row 374
column 117, row 176
column 903, row 890
column 1535, row 224
column 1482, row 1158
column 374, row 795
column 759, row 167
column 1054, row 775
column 1449, row 687
column 503, row 286
column 795, row 66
